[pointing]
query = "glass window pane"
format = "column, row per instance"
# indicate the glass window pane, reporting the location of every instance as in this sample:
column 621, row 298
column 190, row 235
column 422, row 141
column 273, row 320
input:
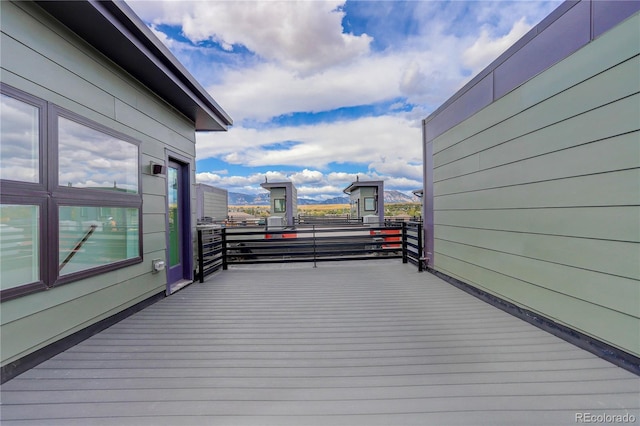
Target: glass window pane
column 19, row 140
column 19, row 247
column 94, row 236
column 92, row 159
column 279, row 205
column 369, row 204
column 174, row 216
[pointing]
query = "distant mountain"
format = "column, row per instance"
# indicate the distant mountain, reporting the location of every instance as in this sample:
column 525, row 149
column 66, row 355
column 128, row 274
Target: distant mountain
column 336, row 200
column 262, row 199
column 396, row 197
column 238, row 199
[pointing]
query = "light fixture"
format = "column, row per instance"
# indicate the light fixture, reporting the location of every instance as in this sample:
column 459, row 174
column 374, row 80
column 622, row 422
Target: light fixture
column 158, row 169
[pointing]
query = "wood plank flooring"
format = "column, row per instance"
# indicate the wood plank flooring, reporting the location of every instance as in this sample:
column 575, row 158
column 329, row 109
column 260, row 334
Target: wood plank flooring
column 347, row 343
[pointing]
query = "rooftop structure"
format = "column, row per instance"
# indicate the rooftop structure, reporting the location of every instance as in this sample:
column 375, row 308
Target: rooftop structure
column 366, row 198
column 283, row 200
column 212, row 204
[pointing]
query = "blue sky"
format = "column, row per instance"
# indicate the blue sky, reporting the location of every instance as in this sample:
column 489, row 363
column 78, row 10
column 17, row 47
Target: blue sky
column 323, row 91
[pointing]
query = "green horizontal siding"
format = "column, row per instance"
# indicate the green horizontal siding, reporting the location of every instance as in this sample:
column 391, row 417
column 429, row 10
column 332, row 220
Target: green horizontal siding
column 621, row 116
column 44, row 327
column 582, row 160
column 537, row 196
column 621, row 293
column 581, row 191
column 608, row 325
column 45, row 59
column 601, row 55
column 618, row 83
column 605, row 223
column 612, row 257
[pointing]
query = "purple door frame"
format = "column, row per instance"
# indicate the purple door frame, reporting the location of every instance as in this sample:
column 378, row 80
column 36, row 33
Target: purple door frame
column 178, row 225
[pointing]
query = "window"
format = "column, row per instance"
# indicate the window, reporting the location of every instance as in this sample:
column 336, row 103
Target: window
column 20, row 135
column 19, row 245
column 279, row 205
column 95, row 239
column 70, row 205
column 89, row 158
column 369, row 204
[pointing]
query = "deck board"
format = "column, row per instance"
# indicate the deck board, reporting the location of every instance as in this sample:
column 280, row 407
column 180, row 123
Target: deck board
column 353, row 343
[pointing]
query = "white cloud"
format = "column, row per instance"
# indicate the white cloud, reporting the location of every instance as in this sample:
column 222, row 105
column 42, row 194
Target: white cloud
column 269, row 90
column 363, row 141
column 304, row 36
column 486, row 49
column 307, row 176
column 398, row 167
column 309, row 65
column 321, row 187
column 302, row 61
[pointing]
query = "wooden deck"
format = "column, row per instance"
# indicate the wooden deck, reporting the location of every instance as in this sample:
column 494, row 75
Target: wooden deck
column 352, row 343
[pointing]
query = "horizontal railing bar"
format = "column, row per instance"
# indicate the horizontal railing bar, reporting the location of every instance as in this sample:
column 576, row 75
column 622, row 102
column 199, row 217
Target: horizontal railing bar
column 306, row 243
column 311, row 259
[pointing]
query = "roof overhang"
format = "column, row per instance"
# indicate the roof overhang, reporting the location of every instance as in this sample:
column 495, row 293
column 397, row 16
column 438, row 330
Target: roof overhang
column 362, row 184
column 270, row 185
column 117, row 32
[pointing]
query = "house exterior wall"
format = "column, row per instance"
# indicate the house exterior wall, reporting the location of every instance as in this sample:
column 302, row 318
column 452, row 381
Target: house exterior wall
column 365, row 195
column 354, row 202
column 536, row 194
column 292, row 199
column 278, row 193
column 212, row 202
column 283, row 191
column 43, row 58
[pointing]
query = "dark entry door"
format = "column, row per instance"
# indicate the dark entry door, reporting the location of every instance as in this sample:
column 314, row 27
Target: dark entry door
column 178, row 226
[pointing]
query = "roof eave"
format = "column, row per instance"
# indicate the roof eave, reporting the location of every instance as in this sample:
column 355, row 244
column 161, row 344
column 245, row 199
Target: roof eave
column 118, row 33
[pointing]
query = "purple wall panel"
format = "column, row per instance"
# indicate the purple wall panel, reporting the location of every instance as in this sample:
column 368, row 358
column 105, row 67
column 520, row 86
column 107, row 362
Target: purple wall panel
column 476, row 98
column 428, row 199
column 563, row 37
column 571, row 26
column 607, row 14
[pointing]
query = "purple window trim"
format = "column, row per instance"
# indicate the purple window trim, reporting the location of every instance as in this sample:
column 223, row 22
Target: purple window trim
column 49, row 195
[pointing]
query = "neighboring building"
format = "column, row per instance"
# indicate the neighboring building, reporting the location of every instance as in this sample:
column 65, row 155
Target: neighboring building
column 532, row 175
column 366, row 198
column 283, row 200
column 212, row 204
column 97, row 167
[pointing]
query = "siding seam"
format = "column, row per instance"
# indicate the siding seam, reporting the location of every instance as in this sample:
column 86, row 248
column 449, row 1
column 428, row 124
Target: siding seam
column 532, row 132
column 533, row 258
column 537, row 181
column 529, row 107
column 537, row 233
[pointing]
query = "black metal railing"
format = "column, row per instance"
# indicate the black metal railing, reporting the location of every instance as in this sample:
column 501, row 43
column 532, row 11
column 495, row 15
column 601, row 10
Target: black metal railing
column 217, row 248
column 210, row 251
column 412, row 243
column 341, row 220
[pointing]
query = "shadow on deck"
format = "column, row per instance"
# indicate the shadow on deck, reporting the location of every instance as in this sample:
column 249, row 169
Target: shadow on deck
column 355, row 343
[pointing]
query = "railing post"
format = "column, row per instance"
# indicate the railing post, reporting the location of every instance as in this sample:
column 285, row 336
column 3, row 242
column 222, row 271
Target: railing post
column 404, row 242
column 200, row 257
column 314, row 247
column 420, row 255
column 223, row 235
